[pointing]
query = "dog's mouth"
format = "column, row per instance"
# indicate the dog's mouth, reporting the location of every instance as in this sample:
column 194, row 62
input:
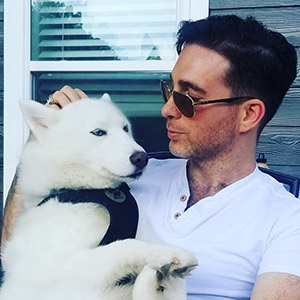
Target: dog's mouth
column 136, row 174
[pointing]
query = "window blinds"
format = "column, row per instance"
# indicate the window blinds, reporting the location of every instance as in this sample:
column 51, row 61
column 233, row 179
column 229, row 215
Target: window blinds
column 103, row 30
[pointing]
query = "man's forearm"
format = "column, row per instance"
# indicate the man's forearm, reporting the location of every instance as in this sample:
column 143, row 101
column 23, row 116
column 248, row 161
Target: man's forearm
column 13, row 207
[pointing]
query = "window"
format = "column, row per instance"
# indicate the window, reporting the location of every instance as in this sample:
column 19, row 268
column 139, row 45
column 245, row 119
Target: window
column 123, row 47
column 103, row 30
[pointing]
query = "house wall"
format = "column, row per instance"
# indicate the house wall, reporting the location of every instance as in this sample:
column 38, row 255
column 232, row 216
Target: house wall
column 280, row 140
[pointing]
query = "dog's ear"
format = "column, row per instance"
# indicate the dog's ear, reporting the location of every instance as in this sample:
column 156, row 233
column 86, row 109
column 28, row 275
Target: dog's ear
column 106, row 97
column 37, row 116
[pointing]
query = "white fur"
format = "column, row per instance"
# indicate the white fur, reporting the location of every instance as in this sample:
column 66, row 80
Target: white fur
column 53, row 253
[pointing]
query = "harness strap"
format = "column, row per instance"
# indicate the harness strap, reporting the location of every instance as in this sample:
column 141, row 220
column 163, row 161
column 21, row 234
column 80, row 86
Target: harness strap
column 119, row 202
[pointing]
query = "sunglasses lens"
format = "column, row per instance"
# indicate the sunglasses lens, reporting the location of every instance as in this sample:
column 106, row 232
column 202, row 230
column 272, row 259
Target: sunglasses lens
column 184, row 104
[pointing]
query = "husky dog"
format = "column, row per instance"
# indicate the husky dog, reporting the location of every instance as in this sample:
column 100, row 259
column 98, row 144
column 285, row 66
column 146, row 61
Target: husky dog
column 53, row 253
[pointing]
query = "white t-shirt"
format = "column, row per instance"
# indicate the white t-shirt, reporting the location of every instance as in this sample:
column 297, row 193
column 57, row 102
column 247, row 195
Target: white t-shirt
column 248, row 228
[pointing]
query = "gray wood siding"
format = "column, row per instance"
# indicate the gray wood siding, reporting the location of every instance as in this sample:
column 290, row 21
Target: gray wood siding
column 280, row 140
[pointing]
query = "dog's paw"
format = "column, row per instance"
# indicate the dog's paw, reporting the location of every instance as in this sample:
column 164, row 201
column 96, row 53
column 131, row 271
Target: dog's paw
column 171, row 261
column 161, row 278
column 176, row 269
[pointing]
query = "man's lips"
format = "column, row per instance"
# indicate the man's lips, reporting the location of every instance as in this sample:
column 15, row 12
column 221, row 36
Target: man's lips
column 173, row 134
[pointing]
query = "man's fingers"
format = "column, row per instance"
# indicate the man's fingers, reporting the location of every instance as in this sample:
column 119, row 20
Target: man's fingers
column 65, row 96
column 81, row 94
column 60, row 99
column 70, row 93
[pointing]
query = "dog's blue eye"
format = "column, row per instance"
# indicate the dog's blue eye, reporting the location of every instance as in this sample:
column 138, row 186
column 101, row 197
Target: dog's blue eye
column 98, row 132
column 126, row 128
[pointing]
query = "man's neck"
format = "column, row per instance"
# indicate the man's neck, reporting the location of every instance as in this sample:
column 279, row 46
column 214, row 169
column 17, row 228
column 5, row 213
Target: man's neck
column 208, row 178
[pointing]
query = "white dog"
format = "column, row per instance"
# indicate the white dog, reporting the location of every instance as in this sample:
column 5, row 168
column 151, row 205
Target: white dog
column 53, row 253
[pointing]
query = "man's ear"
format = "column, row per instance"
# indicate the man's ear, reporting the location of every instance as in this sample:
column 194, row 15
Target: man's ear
column 252, row 111
column 37, row 116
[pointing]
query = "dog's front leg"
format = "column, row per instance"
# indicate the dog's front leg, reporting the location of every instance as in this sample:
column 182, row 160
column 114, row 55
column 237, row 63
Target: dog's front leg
column 154, row 267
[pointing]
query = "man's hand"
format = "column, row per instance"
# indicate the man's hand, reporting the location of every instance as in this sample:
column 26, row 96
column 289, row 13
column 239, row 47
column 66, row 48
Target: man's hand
column 65, row 96
column 276, row 286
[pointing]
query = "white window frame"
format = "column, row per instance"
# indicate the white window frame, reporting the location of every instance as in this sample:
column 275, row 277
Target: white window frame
column 18, row 69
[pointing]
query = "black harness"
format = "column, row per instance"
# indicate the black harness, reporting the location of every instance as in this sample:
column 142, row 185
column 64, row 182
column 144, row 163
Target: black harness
column 119, row 202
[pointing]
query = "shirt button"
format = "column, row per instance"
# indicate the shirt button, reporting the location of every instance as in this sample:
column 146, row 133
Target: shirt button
column 177, row 215
column 183, row 198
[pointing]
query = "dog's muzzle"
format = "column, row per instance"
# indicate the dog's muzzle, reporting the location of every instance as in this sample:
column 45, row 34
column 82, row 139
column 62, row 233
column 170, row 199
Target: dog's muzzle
column 139, row 159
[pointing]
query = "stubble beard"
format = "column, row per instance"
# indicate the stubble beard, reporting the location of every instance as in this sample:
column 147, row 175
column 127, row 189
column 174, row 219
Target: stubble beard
column 211, row 145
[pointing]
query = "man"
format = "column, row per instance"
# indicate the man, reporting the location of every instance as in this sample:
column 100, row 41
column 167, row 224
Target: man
column 241, row 224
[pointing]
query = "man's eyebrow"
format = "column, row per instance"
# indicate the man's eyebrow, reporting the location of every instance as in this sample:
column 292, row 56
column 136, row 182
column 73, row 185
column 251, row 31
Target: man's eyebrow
column 189, row 84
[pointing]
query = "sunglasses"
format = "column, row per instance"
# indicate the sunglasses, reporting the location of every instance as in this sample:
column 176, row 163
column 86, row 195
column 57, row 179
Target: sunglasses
column 186, row 104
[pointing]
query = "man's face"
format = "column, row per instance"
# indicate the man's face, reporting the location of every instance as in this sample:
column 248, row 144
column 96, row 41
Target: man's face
column 200, row 72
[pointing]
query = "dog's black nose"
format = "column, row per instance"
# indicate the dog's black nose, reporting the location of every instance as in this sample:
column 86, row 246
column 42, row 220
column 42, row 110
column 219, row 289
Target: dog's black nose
column 139, row 159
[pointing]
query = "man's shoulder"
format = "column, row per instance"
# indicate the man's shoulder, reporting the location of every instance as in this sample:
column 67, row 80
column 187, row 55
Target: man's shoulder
column 273, row 195
column 272, row 185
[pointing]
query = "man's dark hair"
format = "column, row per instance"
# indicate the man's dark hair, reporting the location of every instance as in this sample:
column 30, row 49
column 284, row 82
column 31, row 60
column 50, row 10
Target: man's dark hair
column 262, row 63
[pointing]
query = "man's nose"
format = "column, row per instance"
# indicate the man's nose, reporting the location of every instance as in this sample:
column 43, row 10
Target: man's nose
column 170, row 110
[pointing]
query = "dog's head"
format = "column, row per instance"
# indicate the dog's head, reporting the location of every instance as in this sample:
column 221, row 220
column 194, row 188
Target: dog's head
column 88, row 141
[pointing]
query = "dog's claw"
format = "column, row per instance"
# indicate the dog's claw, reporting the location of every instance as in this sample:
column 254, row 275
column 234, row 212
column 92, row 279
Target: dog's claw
column 184, row 271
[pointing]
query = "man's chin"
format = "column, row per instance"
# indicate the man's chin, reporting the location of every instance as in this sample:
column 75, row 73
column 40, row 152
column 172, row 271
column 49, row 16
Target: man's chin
column 178, row 150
